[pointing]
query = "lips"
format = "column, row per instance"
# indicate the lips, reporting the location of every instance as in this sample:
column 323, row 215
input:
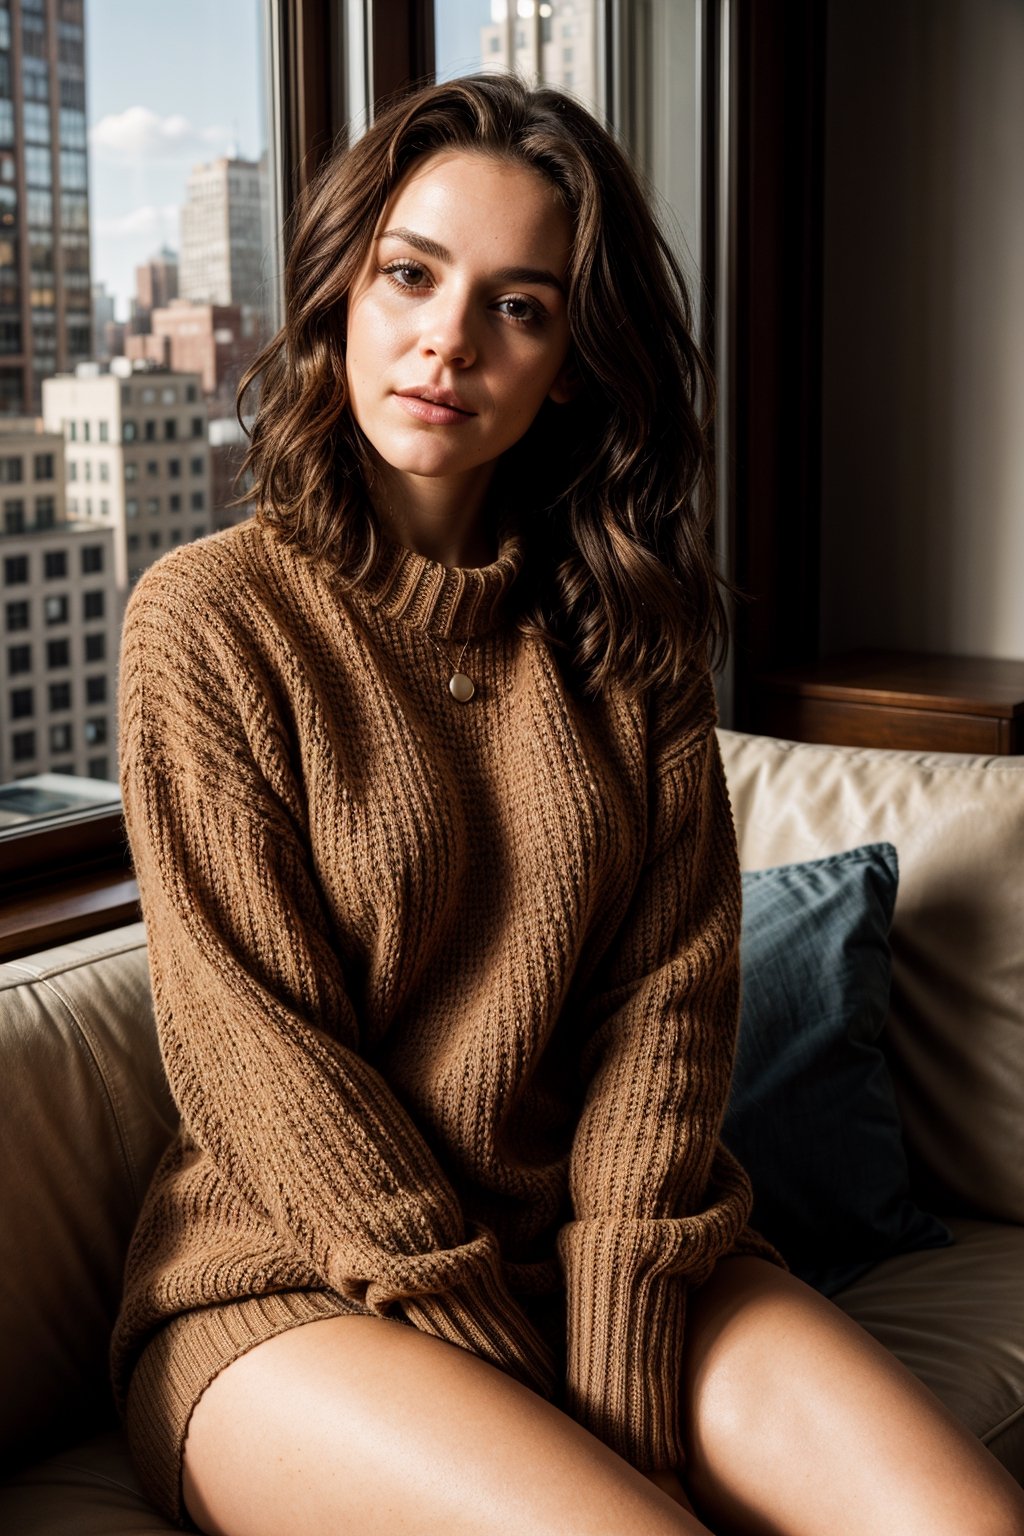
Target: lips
column 437, row 407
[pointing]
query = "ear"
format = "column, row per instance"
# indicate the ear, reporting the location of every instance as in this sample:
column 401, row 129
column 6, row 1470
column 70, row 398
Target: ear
column 567, row 384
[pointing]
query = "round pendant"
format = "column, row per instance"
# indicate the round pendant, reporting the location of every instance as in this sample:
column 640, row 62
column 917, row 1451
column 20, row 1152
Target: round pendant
column 461, row 687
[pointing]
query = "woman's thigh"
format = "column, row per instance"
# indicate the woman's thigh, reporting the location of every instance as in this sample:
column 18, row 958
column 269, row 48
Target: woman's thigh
column 359, row 1424
column 801, row 1424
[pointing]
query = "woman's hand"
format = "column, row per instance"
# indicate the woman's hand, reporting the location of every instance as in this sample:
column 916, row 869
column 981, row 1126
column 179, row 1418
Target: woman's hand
column 669, row 1483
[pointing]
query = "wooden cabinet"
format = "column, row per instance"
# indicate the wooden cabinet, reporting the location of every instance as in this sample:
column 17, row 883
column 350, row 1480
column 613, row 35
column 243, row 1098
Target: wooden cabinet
column 897, row 699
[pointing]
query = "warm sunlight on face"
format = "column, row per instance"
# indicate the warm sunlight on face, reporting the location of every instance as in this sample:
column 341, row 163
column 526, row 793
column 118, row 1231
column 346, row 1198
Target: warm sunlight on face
column 457, row 324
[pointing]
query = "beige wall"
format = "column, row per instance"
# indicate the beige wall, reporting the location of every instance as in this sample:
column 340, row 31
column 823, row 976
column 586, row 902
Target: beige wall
column 923, row 504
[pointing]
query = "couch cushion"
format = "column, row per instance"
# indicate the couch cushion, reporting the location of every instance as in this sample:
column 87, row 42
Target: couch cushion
column 84, row 1114
column 956, row 1030
column 955, row 1316
column 89, row 1490
column 812, row 1115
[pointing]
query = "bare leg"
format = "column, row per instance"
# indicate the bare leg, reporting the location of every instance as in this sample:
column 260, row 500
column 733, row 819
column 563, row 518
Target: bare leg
column 358, row 1424
column 802, row 1425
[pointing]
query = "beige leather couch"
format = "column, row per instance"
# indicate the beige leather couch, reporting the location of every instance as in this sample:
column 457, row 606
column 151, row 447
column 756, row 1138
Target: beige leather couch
column 84, row 1114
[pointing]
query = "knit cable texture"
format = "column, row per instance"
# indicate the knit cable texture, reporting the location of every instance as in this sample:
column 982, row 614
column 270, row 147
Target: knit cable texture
column 446, row 993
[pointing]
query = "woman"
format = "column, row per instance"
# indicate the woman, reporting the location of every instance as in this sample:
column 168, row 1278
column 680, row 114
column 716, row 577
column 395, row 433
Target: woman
column 440, row 882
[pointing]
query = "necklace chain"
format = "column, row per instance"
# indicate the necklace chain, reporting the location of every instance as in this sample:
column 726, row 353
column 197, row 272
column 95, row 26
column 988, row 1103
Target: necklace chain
column 460, row 686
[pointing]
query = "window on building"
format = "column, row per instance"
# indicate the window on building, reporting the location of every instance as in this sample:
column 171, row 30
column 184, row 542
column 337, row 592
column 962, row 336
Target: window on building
column 131, row 507
column 104, row 507
column 191, row 393
column 60, row 737
column 16, row 616
column 169, row 394
column 104, row 429
column 87, row 469
column 19, row 659
column 72, row 427
column 72, row 469
column 198, row 530
column 96, row 689
column 14, row 517
column 149, row 431
column 174, row 468
column 43, row 466
column 55, row 609
column 23, row 703
column 174, row 502
column 23, row 746
column 55, row 564
column 152, row 504
column 134, row 540
column 12, row 470
column 129, row 431
column 170, row 428
column 197, row 501
column 93, row 604
column 92, row 558
column 175, row 536
column 104, row 470
column 58, row 654
column 15, row 570
column 152, row 468
column 131, row 471
column 197, row 426
column 86, row 431
column 46, row 512
column 96, row 647
column 96, row 730
column 154, row 539
column 60, row 697
column 196, row 465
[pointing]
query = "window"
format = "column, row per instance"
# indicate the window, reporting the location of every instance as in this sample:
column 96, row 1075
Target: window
column 131, row 471
column 14, row 517
column 96, row 689
column 46, row 512
column 96, row 731
column 23, row 746
column 15, row 570
column 12, row 470
column 148, row 396
column 174, row 502
column 55, row 564
column 86, row 432
column 131, row 507
column 198, row 530
column 168, row 394
column 175, row 535
column 152, row 467
column 19, row 659
column 58, row 654
column 191, row 393
column 197, row 501
column 60, row 697
column 197, row 426
column 152, row 504
column 87, row 468
column 72, row 469
column 170, row 428
column 43, row 466
column 196, row 465
column 16, row 616
column 129, row 431
column 92, row 558
column 134, row 540
column 96, row 647
column 104, row 427
column 60, row 737
column 98, row 768
column 22, row 703
column 149, row 431
column 105, row 471
column 93, row 604
column 154, row 540
column 56, row 609
column 174, row 468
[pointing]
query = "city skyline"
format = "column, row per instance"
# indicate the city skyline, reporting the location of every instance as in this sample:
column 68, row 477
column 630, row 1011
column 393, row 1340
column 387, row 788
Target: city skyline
column 166, row 90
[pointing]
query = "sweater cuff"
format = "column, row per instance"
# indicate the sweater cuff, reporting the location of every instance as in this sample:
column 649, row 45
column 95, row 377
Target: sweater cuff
column 481, row 1315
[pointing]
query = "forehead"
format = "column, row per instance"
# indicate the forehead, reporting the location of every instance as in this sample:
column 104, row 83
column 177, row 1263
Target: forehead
column 477, row 202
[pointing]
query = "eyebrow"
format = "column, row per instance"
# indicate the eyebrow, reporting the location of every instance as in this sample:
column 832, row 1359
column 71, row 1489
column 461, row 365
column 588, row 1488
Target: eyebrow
column 539, row 275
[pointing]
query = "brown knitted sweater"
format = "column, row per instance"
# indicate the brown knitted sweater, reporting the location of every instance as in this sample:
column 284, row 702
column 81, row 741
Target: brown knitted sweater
column 446, row 992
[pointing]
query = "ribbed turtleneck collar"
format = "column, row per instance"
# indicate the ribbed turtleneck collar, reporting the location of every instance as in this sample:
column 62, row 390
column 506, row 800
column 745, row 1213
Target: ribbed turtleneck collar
column 444, row 600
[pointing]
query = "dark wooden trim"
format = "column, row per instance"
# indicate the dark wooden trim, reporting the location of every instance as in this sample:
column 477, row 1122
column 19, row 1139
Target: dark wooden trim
column 69, row 909
column 777, row 86
column 310, row 116
column 403, row 46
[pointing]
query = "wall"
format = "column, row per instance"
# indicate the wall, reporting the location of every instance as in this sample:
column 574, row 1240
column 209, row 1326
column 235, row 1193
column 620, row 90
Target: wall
column 923, row 431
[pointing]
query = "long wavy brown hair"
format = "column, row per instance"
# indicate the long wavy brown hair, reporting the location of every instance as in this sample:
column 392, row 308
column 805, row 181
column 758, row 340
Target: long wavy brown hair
column 615, row 488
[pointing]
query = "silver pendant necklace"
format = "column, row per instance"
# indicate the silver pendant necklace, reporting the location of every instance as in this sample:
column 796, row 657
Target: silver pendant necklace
column 460, row 686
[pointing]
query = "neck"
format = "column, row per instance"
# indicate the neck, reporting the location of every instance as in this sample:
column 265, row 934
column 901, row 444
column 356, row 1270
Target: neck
column 442, row 519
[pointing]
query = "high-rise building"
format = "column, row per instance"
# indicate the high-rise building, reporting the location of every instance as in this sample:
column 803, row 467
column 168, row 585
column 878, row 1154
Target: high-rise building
column 45, row 298
column 555, row 40
column 156, row 281
column 222, row 235
column 60, row 612
column 217, row 341
column 102, row 318
column 137, row 458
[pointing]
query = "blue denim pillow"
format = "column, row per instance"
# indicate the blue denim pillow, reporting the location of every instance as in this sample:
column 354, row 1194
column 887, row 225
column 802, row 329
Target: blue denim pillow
column 812, row 1114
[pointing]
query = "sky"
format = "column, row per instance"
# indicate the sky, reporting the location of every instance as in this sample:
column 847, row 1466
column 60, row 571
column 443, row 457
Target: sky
column 173, row 83
column 168, row 86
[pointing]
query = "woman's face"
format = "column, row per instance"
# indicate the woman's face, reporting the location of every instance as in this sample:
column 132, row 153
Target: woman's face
column 457, row 323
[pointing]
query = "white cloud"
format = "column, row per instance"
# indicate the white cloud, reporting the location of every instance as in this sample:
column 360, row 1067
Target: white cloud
column 140, row 134
column 157, row 223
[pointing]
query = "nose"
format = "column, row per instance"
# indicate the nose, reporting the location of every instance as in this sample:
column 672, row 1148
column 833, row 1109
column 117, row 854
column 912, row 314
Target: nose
column 448, row 332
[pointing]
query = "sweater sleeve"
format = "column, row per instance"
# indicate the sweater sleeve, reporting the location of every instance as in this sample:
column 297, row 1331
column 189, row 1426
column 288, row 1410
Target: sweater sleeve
column 656, row 1198
column 260, row 1038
